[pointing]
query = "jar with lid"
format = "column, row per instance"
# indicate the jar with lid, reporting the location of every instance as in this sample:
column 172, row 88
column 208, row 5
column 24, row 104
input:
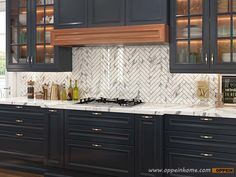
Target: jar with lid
column 30, row 89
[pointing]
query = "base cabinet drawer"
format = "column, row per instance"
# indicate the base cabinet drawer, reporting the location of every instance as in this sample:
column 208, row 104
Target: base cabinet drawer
column 199, row 160
column 106, row 159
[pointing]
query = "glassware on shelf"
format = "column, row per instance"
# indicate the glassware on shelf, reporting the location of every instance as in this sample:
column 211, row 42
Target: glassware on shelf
column 224, row 50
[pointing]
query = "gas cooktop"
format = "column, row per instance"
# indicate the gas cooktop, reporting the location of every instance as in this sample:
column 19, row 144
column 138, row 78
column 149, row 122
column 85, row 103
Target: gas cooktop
column 108, row 101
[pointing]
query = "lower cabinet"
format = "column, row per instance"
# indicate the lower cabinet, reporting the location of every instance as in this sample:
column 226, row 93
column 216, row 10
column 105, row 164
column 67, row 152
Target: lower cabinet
column 149, row 145
column 203, row 161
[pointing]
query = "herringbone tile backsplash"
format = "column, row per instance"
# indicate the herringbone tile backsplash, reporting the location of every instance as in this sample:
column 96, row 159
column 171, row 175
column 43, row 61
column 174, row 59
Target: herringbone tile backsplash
column 125, row 72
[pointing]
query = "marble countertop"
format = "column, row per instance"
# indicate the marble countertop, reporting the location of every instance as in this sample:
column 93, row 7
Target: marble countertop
column 145, row 108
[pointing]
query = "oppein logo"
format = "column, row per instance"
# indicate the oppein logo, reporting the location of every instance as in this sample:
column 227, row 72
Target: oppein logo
column 223, row 170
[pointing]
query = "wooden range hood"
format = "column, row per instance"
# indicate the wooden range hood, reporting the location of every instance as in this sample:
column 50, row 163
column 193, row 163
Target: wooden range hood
column 139, row 34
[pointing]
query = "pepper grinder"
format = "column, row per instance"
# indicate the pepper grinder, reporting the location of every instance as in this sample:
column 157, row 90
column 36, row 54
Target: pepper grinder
column 30, row 89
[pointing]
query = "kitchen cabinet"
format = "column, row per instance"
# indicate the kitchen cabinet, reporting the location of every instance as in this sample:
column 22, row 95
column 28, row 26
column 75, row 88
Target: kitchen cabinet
column 55, row 140
column 71, row 13
column 105, row 138
column 202, row 36
column 106, row 13
column 28, row 38
column 149, row 145
column 23, row 138
column 193, row 142
column 147, row 12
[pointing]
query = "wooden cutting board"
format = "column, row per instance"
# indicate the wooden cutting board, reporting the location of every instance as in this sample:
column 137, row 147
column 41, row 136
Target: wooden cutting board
column 6, row 173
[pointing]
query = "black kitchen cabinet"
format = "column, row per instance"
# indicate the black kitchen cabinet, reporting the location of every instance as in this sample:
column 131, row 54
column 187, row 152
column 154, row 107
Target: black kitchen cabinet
column 149, row 145
column 199, row 160
column 71, row 13
column 100, row 143
column 55, row 140
column 23, row 138
column 106, row 13
column 28, row 38
column 147, row 11
column 202, row 36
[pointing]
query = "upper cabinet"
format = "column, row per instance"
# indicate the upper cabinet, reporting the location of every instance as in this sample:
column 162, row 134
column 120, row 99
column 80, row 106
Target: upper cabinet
column 29, row 48
column 146, row 11
column 202, row 36
column 106, row 13
column 71, row 13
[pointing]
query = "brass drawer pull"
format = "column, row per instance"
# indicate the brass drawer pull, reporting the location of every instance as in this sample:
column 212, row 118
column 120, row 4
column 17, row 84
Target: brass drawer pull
column 147, row 117
column 206, row 137
column 96, row 114
column 97, row 145
column 206, row 119
column 52, row 110
column 96, row 129
column 19, row 121
column 19, row 134
column 206, row 155
column 19, row 107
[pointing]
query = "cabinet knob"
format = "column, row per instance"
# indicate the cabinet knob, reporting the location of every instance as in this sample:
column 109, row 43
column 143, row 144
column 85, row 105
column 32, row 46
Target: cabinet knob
column 19, row 121
column 19, row 134
column 97, row 145
column 19, row 107
column 212, row 59
column 147, row 117
column 206, row 155
column 96, row 113
column 96, row 129
column 206, row 119
column 206, row 58
column 206, row 137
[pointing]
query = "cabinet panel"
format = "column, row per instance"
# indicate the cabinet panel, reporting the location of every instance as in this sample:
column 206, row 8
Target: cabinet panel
column 187, row 159
column 100, row 158
column 71, row 13
column 189, row 36
column 106, row 12
column 149, row 146
column 146, row 11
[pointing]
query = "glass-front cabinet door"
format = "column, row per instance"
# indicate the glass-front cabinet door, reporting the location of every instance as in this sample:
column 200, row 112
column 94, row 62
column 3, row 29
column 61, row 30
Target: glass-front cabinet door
column 44, row 22
column 18, row 32
column 189, row 35
column 223, row 36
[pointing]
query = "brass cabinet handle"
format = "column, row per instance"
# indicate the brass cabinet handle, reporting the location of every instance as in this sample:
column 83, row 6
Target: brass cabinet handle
column 96, row 113
column 19, row 121
column 206, row 137
column 97, row 145
column 96, row 129
column 212, row 58
column 19, row 134
column 206, row 155
column 206, row 119
column 19, row 107
column 206, row 58
column 52, row 110
column 147, row 117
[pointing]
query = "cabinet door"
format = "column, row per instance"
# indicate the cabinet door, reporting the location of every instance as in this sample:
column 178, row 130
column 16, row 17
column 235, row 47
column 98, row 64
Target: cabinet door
column 100, row 158
column 18, row 34
column 106, row 12
column 146, row 11
column 148, row 145
column 199, row 160
column 55, row 138
column 189, row 36
column 70, row 13
column 223, row 36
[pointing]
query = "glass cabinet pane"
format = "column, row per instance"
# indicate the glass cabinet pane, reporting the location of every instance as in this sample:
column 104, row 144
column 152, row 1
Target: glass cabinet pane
column 196, row 6
column 224, row 24
column 40, row 51
column 182, row 28
column 182, row 7
column 195, row 55
column 223, row 6
column 195, row 27
column 234, row 51
column 224, row 53
column 182, row 52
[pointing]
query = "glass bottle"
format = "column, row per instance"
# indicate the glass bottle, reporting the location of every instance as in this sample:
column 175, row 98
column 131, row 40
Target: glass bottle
column 76, row 91
column 70, row 92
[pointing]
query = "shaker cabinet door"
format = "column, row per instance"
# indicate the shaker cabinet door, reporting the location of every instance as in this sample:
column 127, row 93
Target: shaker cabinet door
column 146, row 11
column 71, row 13
column 106, row 12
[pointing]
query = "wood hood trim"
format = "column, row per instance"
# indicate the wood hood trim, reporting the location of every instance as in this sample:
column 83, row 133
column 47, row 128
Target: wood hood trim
column 139, row 34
